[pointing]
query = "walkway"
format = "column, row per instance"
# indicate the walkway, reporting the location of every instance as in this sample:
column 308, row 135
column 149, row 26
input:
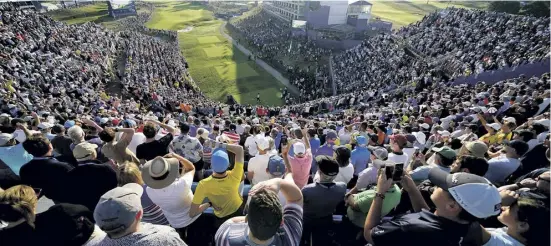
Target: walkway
column 260, row 62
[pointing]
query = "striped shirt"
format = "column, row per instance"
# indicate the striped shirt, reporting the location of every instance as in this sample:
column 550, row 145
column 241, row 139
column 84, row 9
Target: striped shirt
column 234, row 137
column 289, row 234
column 151, row 212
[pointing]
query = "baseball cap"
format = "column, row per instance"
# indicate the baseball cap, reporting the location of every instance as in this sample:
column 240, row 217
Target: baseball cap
column 219, row 160
column 467, row 189
column 477, row 148
column 379, row 152
column 115, row 122
column 262, row 142
column 44, row 125
column 495, row 126
column 425, row 126
column 331, row 135
column 444, row 133
column 519, row 146
column 420, row 137
column 445, row 151
column 129, row 123
column 299, row 148
column 65, row 224
column 361, row 141
column 117, row 208
column 327, row 166
column 68, row 124
column 510, row 119
column 276, row 166
column 83, row 151
column 400, row 139
column 5, row 138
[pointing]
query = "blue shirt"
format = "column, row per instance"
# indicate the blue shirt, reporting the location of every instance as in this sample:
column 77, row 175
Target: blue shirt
column 15, row 157
column 359, row 158
column 314, row 145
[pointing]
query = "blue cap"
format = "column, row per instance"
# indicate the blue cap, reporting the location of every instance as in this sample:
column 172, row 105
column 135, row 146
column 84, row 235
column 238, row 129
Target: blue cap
column 219, row 160
column 130, row 123
column 69, row 124
column 331, row 135
column 361, row 140
column 276, row 166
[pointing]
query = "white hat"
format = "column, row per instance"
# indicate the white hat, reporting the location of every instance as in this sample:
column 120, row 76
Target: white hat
column 4, row 115
column 544, row 122
column 262, row 142
column 467, row 189
column 510, row 119
column 496, row 126
column 255, row 121
column 444, row 133
column 420, row 136
column 5, row 138
column 492, row 110
column 45, row 125
column 425, row 126
column 103, row 120
column 299, row 148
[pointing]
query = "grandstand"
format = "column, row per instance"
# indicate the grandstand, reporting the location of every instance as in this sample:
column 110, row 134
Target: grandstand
column 437, row 133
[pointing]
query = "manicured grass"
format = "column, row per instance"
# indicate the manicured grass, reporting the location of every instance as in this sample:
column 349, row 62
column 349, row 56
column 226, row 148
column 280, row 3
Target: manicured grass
column 402, row 13
column 216, row 66
column 97, row 13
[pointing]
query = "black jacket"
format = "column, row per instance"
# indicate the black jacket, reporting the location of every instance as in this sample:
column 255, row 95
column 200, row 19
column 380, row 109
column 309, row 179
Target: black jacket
column 47, row 174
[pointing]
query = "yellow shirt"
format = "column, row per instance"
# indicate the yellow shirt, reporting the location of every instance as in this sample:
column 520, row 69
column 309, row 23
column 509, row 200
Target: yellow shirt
column 223, row 193
column 501, row 136
column 489, row 139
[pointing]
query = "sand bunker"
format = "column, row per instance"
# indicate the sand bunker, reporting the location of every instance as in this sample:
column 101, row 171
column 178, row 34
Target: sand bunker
column 187, row 29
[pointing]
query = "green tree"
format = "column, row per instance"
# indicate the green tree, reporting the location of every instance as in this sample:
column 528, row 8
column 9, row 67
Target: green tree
column 511, row 7
column 537, row 9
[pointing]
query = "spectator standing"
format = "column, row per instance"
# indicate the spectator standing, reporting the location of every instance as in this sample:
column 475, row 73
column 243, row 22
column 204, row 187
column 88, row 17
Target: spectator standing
column 152, row 147
column 61, row 143
column 130, row 173
column 44, row 171
column 360, row 156
column 137, row 139
column 189, row 148
column 119, row 213
column 168, row 181
column 368, row 177
column 444, row 158
column 256, row 169
column 118, row 150
column 397, row 144
column 267, row 222
column 301, row 161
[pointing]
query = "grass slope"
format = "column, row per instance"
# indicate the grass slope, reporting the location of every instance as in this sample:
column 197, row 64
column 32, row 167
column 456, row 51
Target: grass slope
column 97, row 13
column 217, row 67
column 402, row 13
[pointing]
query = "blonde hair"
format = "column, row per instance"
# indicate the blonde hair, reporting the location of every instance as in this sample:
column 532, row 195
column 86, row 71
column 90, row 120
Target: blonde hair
column 129, row 173
column 18, row 202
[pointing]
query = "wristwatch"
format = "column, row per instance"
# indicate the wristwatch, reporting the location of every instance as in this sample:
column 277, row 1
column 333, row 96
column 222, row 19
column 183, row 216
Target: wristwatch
column 380, row 195
column 116, row 129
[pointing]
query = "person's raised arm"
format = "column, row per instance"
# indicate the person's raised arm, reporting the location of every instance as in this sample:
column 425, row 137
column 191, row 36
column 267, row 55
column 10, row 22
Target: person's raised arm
column 483, row 122
column 417, row 201
column 24, row 129
column 36, row 118
column 185, row 163
column 374, row 214
column 168, row 128
column 238, row 151
column 127, row 134
column 92, row 124
column 305, row 137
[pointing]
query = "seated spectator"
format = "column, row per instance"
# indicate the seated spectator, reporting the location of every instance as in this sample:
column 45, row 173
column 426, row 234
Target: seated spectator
column 533, row 159
column 87, row 182
column 152, row 148
column 444, row 158
column 12, row 152
column 190, row 148
column 118, row 150
column 321, row 199
column 267, row 222
column 508, row 162
column 256, row 169
column 66, row 224
column 474, row 148
column 358, row 205
column 526, row 220
column 221, row 189
column 346, row 169
column 44, row 171
column 61, row 142
column 168, row 181
column 17, row 213
column 458, row 205
column 130, row 173
column 119, row 213
column 360, row 156
column 397, row 144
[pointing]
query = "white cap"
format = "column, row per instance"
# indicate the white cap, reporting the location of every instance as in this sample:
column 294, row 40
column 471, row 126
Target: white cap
column 425, row 126
column 420, row 136
column 496, row 126
column 255, row 121
column 262, row 142
column 5, row 138
column 510, row 119
column 299, row 148
column 44, row 125
column 444, row 133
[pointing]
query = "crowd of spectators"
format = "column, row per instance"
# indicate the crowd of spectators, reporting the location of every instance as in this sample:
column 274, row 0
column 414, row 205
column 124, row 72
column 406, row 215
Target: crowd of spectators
column 430, row 164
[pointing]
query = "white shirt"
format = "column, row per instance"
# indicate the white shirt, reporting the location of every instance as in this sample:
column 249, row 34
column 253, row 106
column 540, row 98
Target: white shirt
column 250, row 144
column 499, row 237
column 345, row 174
column 499, row 168
column 137, row 139
column 409, row 152
column 367, row 177
column 258, row 165
column 175, row 200
column 398, row 158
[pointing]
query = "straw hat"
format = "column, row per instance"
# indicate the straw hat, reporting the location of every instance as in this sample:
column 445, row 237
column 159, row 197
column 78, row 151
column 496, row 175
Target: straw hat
column 160, row 172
